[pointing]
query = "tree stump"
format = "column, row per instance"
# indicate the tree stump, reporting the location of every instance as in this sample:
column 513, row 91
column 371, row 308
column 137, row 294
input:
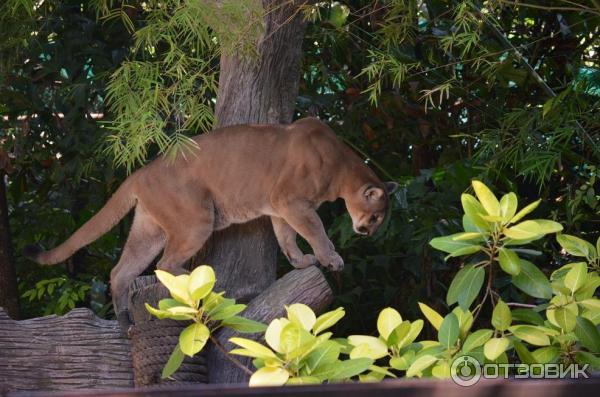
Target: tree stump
column 153, row 340
column 76, row 351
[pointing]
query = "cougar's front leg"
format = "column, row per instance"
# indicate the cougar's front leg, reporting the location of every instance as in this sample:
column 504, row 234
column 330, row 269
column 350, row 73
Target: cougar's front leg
column 304, row 220
column 286, row 237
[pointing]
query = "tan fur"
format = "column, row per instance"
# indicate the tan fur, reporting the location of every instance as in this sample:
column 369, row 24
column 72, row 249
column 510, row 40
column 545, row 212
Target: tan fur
column 238, row 174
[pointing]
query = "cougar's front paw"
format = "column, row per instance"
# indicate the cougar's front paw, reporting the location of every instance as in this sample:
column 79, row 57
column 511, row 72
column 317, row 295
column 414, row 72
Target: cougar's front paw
column 332, row 261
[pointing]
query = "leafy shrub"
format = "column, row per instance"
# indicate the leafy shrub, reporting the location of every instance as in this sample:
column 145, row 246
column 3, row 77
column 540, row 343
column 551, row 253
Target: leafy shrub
column 561, row 327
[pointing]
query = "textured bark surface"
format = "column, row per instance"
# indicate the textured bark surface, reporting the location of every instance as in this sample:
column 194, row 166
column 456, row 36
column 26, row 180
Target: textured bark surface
column 75, row 351
column 306, row 286
column 9, row 298
column 262, row 90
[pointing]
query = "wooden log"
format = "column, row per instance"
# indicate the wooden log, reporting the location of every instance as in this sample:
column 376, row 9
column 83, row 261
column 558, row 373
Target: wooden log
column 76, row 351
column 306, row 286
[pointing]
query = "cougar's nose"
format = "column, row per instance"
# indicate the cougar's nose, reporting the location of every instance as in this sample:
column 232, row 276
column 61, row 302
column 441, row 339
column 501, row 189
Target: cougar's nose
column 362, row 230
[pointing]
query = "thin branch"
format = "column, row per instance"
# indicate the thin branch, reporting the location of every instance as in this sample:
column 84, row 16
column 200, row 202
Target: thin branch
column 515, row 304
column 229, row 356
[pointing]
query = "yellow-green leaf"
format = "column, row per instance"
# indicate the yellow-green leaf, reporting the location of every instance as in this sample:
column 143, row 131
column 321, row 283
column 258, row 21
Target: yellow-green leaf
column 201, row 281
column 486, row 197
column 576, row 277
column 269, row 376
column 302, row 315
column 431, row 315
column 508, row 206
column 387, row 321
column 193, row 338
column 526, row 210
column 493, row 348
column 530, row 334
column 509, row 261
column 256, row 348
column 501, row 317
column 367, row 346
column 420, row 364
column 327, row 320
column 273, row 333
column 177, row 285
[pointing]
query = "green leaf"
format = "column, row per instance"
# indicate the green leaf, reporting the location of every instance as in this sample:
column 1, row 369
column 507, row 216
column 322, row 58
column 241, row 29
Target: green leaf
column 576, row 246
column 476, row 339
column 341, row 370
column 487, row 199
column 387, row 321
column 402, row 362
column 256, row 348
column 177, row 285
column 431, row 315
column 588, row 334
column 327, row 353
column 509, row 261
column 273, row 333
column 527, row 315
column 193, row 338
column 449, row 330
column 530, row 334
column 532, row 230
column 465, row 320
column 327, row 320
column 474, row 213
column 398, row 334
column 588, row 358
column 576, row 277
column 465, row 286
column 526, row 210
column 565, row 318
column 227, row 312
column 493, row 348
column 508, row 206
column 269, row 376
column 501, row 317
column 367, row 346
column 449, row 245
column 420, row 364
column 174, row 362
column 525, row 355
column 244, row 325
column 532, row 281
column 201, row 282
column 302, row 315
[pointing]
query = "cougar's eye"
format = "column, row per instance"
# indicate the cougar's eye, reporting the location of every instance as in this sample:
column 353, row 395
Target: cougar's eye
column 373, row 219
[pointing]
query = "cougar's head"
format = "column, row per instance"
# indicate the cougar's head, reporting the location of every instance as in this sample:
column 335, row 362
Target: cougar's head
column 368, row 206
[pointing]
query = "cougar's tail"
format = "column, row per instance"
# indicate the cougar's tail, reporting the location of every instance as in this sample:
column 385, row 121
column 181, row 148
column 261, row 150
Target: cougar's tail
column 115, row 209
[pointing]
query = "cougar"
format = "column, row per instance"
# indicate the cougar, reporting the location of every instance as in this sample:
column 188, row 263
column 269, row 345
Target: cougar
column 236, row 174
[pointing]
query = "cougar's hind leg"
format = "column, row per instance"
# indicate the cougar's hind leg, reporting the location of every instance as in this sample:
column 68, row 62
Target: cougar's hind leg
column 185, row 238
column 145, row 241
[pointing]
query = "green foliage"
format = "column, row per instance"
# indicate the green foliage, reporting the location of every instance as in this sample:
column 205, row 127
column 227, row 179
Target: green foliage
column 164, row 91
column 60, row 294
column 193, row 299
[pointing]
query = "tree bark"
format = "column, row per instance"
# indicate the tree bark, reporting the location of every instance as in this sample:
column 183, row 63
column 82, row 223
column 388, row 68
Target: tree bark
column 261, row 90
column 9, row 296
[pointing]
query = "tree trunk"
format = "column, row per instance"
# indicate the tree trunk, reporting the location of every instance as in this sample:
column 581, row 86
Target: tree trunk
column 262, row 90
column 9, row 297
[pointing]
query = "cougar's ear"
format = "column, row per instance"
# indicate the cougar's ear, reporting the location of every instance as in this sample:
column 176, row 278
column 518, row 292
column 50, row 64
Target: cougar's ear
column 390, row 187
column 374, row 193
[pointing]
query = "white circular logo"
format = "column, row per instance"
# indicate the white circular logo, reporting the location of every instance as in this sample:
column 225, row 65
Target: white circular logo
column 465, row 371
